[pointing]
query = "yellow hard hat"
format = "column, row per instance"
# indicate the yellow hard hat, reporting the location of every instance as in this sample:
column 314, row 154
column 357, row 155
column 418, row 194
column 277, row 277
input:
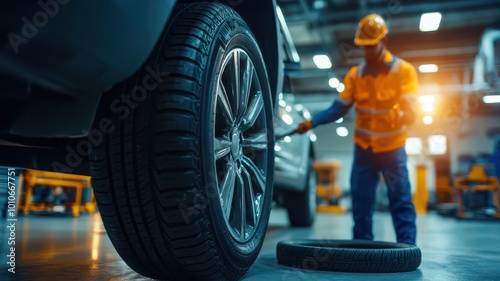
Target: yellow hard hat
column 371, row 29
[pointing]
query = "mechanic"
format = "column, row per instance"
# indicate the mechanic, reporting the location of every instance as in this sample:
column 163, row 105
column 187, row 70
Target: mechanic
column 384, row 89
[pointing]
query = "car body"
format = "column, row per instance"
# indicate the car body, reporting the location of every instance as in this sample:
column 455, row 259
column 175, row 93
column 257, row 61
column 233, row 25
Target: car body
column 293, row 152
column 60, row 56
column 294, row 175
column 295, row 181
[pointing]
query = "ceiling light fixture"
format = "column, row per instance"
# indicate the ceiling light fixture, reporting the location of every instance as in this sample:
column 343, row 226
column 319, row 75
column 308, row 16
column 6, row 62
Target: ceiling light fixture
column 322, row 61
column 430, row 21
column 428, row 120
column 333, row 82
column 340, row 87
column 428, row 68
column 491, row 99
column 342, row 131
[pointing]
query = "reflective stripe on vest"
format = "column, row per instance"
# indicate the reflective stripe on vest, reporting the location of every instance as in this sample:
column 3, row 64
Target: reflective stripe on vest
column 360, row 69
column 396, row 65
column 343, row 101
column 394, row 68
column 381, row 134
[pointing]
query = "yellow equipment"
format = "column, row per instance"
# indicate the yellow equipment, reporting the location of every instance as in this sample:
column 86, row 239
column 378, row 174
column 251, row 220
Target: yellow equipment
column 476, row 181
column 421, row 197
column 328, row 189
column 32, row 178
column 445, row 193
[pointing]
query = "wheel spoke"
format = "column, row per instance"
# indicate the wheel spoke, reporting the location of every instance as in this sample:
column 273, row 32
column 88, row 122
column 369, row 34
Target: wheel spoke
column 235, row 80
column 222, row 147
column 246, row 87
column 223, row 102
column 255, row 174
column 253, row 111
column 255, row 141
column 227, row 191
column 252, row 203
column 241, row 207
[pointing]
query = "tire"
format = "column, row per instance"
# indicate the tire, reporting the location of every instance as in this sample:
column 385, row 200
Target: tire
column 183, row 177
column 301, row 206
column 349, row 255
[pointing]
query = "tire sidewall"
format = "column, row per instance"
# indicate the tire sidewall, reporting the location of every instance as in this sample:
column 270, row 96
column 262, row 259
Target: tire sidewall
column 349, row 255
column 237, row 37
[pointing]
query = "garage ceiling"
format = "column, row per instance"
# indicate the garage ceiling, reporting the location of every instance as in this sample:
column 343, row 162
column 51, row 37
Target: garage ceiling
column 328, row 27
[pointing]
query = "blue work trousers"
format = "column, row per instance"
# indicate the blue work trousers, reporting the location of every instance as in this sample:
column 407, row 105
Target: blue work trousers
column 365, row 175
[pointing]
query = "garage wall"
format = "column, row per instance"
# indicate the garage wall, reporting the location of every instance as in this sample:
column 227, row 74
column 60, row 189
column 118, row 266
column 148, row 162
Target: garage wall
column 472, row 138
column 332, row 147
column 329, row 145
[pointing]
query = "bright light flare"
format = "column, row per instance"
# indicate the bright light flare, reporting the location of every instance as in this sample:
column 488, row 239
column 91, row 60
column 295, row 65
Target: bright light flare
column 426, row 99
column 429, row 108
column 428, row 120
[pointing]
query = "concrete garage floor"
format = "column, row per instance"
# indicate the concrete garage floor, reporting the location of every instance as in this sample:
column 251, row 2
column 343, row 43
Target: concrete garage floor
column 63, row 248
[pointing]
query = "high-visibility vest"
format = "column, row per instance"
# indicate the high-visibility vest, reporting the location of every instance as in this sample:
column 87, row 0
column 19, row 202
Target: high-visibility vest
column 375, row 94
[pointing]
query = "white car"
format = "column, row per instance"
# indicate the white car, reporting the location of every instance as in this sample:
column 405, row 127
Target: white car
column 294, row 175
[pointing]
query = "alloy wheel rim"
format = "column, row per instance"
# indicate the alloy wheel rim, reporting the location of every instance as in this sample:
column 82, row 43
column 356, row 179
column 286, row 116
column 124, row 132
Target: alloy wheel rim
column 240, row 144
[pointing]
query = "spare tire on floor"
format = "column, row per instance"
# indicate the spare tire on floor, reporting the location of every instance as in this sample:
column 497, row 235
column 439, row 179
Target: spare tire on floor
column 349, row 255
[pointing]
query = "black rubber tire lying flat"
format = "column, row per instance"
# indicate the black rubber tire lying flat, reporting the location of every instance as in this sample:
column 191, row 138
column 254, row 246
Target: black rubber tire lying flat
column 349, row 255
column 185, row 194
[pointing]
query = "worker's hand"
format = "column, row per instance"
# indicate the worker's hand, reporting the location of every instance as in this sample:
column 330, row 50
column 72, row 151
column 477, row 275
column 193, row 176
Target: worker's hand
column 396, row 116
column 304, row 127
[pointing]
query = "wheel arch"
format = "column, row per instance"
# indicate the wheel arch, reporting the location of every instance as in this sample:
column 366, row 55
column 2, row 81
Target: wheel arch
column 312, row 152
column 265, row 29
